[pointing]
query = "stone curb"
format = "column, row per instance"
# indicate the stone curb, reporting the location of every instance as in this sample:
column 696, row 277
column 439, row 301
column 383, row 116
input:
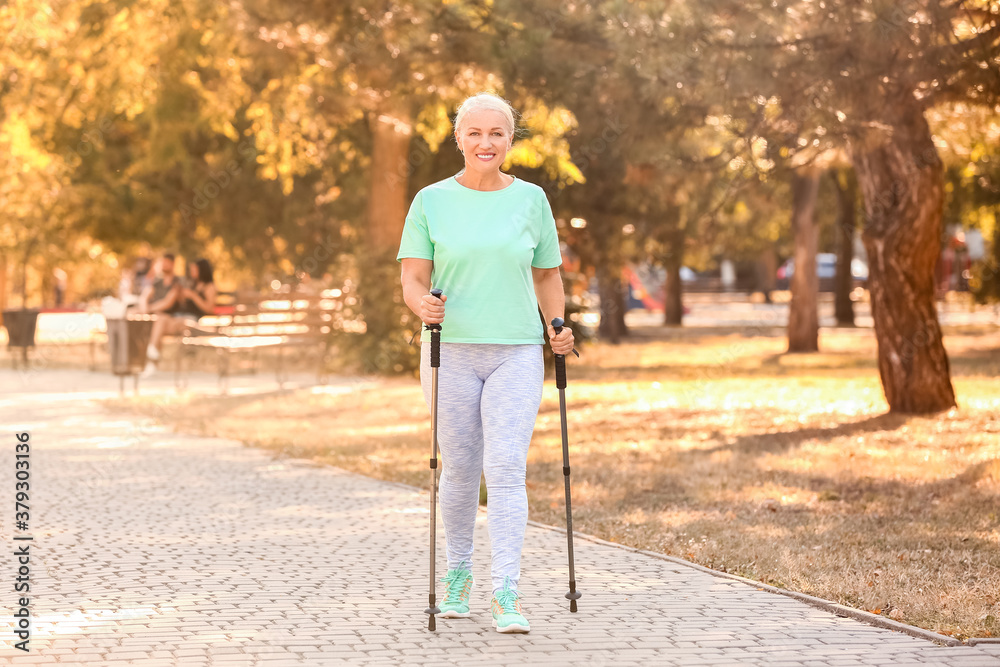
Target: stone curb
column 973, row 641
column 832, row 607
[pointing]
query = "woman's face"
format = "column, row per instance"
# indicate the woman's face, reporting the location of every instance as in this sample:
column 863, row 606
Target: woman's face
column 193, row 271
column 484, row 133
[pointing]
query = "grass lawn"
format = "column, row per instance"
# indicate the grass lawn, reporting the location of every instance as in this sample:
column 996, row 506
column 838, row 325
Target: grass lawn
column 718, row 448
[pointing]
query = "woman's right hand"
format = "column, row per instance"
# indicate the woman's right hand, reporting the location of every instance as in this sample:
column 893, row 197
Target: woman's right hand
column 432, row 308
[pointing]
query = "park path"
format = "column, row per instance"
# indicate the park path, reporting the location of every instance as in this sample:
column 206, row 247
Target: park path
column 158, row 548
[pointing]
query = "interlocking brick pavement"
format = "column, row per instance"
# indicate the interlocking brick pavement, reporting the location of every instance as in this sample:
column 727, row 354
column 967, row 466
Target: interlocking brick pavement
column 160, row 548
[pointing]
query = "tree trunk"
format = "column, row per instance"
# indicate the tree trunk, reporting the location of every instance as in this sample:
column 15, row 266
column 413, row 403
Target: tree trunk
column 391, row 127
column 379, row 288
column 847, row 197
column 673, row 302
column 803, row 318
column 901, row 177
column 767, row 268
column 609, row 285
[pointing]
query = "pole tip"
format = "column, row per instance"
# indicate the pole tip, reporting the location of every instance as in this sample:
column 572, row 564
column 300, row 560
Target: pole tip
column 430, row 611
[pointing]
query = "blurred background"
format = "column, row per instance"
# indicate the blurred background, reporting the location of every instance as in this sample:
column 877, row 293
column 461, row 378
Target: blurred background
column 695, row 154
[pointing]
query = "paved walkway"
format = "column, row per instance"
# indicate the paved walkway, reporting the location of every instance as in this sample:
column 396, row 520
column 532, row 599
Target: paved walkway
column 156, row 548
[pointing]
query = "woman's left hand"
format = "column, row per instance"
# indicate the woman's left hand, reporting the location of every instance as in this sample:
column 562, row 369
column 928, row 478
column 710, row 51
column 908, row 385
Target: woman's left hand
column 563, row 342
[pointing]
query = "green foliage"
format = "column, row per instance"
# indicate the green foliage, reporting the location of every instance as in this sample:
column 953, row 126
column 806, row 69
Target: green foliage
column 244, row 131
column 385, row 348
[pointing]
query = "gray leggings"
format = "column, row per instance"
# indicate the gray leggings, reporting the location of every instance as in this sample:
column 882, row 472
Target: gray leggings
column 488, row 400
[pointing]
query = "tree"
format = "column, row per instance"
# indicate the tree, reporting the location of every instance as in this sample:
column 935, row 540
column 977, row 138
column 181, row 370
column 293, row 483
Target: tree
column 969, row 140
column 640, row 144
column 402, row 67
column 803, row 319
column 867, row 73
column 565, row 56
column 847, row 201
column 41, row 213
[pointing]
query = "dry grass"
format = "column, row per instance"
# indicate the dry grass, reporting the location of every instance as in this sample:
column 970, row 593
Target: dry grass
column 722, row 450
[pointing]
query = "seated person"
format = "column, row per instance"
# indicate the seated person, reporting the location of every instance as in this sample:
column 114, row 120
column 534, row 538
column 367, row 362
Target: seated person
column 181, row 306
column 198, row 296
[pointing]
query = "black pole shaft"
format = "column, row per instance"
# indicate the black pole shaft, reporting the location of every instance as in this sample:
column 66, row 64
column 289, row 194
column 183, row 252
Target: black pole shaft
column 573, row 595
column 435, row 330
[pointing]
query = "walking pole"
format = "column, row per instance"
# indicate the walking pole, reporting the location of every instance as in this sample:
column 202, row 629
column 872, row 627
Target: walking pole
column 573, row 595
column 435, row 330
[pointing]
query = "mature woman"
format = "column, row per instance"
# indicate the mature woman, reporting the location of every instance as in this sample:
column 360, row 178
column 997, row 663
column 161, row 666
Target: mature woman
column 488, row 240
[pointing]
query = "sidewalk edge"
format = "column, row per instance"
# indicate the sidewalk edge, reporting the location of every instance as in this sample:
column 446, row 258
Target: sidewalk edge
column 833, row 607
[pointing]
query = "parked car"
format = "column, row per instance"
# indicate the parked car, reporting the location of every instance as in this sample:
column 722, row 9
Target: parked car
column 826, row 270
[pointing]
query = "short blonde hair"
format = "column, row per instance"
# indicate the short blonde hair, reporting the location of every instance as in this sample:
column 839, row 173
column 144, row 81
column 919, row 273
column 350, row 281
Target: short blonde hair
column 486, row 100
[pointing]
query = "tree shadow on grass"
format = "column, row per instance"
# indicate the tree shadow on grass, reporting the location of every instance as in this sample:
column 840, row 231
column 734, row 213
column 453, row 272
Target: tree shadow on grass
column 782, row 441
column 910, row 496
column 671, row 425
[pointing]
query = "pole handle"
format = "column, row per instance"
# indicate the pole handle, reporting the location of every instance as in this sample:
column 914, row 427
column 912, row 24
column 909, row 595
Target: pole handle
column 557, row 324
column 435, row 330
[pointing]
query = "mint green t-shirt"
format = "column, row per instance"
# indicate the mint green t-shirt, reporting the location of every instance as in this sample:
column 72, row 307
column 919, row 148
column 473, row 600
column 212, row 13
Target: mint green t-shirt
column 483, row 245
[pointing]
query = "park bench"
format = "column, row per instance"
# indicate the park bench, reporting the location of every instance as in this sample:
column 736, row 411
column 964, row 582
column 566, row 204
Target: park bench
column 99, row 333
column 256, row 322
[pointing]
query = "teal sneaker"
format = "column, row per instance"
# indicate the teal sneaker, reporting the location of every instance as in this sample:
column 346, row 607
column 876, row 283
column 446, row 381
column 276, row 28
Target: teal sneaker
column 458, row 585
column 506, row 605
